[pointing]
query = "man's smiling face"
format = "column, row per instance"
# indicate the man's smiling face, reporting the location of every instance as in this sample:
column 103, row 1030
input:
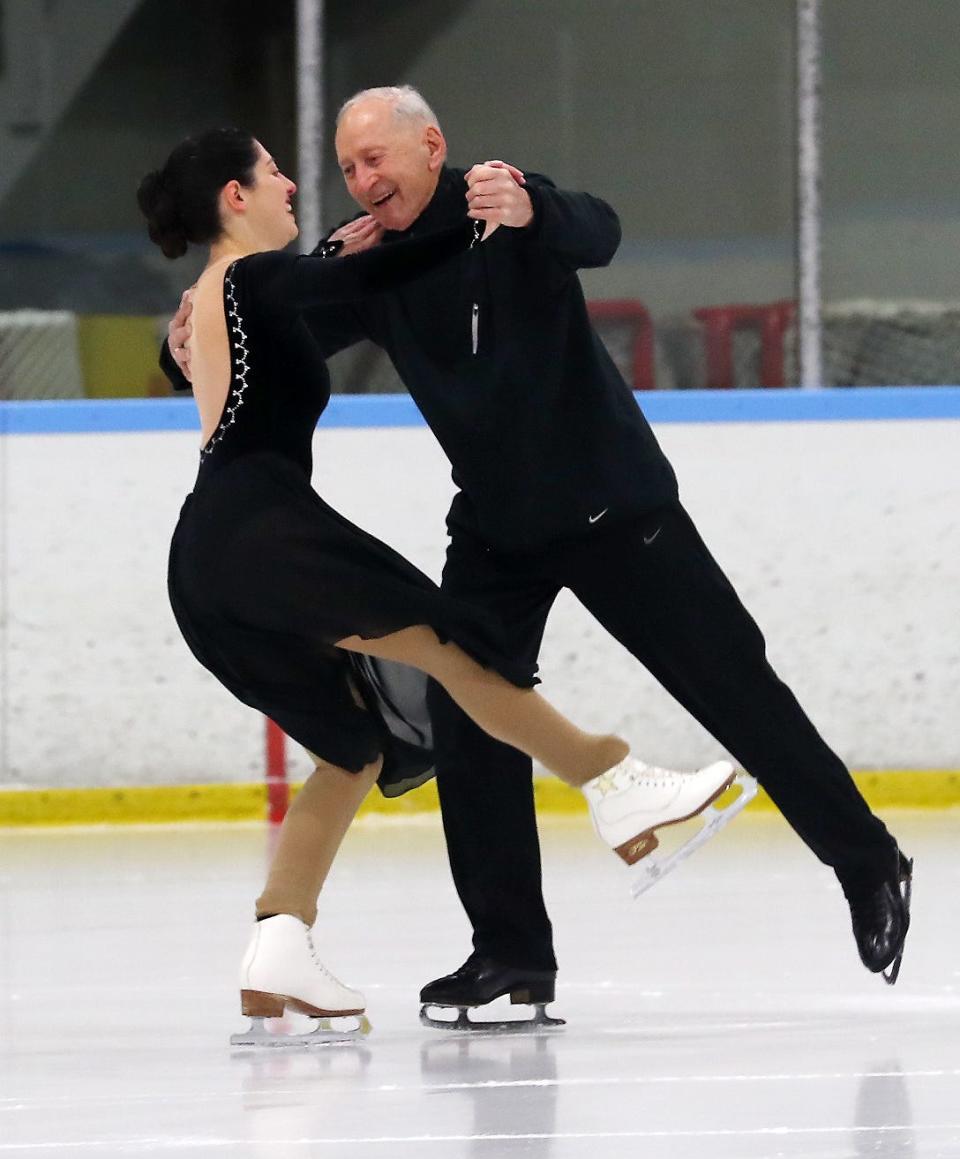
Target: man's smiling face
column 391, row 163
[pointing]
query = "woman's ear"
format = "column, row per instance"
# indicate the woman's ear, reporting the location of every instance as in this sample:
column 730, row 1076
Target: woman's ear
column 232, row 197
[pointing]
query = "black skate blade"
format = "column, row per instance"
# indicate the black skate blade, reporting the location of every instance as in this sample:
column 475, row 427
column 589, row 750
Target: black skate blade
column 892, row 973
column 541, row 1022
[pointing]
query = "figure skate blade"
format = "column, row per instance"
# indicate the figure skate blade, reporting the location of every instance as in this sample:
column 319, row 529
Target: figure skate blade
column 272, row 1033
column 892, row 972
column 657, row 864
column 540, row 1023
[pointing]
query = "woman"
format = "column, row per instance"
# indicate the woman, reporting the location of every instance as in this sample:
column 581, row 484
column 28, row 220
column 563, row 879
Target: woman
column 294, row 609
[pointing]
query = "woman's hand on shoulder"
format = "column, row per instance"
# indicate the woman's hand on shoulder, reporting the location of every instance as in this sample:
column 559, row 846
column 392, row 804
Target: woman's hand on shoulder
column 361, row 234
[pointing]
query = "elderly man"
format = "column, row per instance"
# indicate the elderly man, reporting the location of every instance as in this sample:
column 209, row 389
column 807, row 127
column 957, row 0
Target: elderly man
column 562, row 485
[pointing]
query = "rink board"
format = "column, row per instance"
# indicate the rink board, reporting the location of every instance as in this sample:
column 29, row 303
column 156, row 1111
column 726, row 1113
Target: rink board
column 833, row 513
column 135, row 805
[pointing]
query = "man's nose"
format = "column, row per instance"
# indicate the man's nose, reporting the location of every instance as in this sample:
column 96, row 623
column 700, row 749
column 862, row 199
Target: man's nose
column 365, row 179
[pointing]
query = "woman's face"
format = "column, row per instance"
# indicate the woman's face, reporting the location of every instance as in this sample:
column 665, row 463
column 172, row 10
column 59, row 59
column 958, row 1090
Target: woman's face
column 269, row 211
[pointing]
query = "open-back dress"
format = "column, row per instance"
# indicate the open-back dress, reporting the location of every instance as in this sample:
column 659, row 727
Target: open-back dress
column 265, row 577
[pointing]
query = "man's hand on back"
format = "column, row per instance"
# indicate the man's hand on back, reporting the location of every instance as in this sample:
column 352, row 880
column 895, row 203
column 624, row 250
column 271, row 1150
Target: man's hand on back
column 495, row 194
column 178, row 331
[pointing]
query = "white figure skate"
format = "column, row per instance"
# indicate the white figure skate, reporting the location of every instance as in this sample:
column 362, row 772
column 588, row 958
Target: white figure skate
column 629, row 802
column 280, row 972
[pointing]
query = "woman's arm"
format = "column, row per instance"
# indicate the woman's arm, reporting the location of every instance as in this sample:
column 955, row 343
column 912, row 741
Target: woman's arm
column 312, row 280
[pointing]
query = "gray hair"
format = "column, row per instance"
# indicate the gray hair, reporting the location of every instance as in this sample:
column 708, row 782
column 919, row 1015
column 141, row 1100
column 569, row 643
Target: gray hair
column 407, row 103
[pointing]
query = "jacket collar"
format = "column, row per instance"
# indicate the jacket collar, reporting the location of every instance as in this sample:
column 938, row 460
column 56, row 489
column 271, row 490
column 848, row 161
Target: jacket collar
column 447, row 206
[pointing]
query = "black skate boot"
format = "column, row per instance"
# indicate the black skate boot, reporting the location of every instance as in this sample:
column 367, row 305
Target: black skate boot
column 880, row 912
column 481, row 980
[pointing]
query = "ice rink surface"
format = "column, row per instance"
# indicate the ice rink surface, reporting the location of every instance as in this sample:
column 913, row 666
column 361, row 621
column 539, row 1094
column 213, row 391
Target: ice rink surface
column 724, row 1014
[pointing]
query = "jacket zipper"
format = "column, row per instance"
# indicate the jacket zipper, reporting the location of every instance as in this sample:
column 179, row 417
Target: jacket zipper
column 475, row 311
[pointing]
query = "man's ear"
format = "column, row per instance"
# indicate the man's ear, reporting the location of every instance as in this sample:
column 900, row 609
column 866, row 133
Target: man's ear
column 436, row 146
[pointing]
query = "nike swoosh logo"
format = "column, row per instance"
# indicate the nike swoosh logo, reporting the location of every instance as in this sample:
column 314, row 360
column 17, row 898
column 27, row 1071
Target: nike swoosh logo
column 648, row 539
column 594, row 518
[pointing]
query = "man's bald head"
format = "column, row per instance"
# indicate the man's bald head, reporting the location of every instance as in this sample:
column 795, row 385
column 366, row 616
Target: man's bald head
column 407, row 103
column 390, row 150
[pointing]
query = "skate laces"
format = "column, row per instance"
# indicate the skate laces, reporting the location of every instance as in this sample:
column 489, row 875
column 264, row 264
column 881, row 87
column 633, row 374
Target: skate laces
column 656, row 775
column 316, row 961
column 631, row 771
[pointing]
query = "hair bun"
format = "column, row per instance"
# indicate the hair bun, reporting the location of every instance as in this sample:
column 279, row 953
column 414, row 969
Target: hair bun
column 164, row 223
column 181, row 200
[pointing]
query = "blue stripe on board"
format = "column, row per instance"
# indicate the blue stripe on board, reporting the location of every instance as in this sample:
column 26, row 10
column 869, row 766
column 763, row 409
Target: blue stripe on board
column 95, row 416
column 839, row 404
column 114, row 416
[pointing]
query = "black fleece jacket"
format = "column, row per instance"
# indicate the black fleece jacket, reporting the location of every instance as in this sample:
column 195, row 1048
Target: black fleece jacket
column 497, row 350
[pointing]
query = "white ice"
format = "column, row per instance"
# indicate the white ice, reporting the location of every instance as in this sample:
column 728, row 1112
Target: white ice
column 724, row 1014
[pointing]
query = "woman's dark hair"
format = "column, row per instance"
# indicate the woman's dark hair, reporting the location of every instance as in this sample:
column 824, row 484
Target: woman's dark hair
column 180, row 201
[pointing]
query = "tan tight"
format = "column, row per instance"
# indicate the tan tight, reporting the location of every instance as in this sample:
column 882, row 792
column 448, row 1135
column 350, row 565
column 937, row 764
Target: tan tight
column 322, row 811
column 310, row 836
column 518, row 716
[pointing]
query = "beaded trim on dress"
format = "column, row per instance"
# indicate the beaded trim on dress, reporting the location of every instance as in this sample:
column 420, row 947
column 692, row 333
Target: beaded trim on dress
column 238, row 355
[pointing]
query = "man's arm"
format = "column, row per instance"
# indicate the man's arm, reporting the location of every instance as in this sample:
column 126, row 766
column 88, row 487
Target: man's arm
column 579, row 230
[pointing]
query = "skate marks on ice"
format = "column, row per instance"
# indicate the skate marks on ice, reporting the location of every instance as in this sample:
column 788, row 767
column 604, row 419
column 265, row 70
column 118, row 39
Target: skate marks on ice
column 725, row 1017
column 490, row 1096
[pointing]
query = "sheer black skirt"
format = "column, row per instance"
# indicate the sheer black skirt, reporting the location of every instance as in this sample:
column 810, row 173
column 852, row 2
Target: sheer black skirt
column 264, row 578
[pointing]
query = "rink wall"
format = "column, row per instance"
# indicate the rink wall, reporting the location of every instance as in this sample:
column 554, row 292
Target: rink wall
column 835, row 514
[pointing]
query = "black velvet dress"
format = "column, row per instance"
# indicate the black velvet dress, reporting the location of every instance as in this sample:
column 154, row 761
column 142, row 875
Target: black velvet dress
column 264, row 577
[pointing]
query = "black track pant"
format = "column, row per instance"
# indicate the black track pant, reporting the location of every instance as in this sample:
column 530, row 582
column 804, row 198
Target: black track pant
column 655, row 587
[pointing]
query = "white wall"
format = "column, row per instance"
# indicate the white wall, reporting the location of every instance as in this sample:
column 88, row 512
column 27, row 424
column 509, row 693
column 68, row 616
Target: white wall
column 842, row 538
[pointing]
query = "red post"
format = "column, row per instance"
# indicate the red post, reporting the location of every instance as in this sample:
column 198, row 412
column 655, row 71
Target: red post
column 771, row 321
column 636, row 314
column 278, row 788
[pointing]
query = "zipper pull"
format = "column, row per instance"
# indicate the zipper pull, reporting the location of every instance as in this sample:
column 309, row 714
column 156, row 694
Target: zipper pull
column 478, row 227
